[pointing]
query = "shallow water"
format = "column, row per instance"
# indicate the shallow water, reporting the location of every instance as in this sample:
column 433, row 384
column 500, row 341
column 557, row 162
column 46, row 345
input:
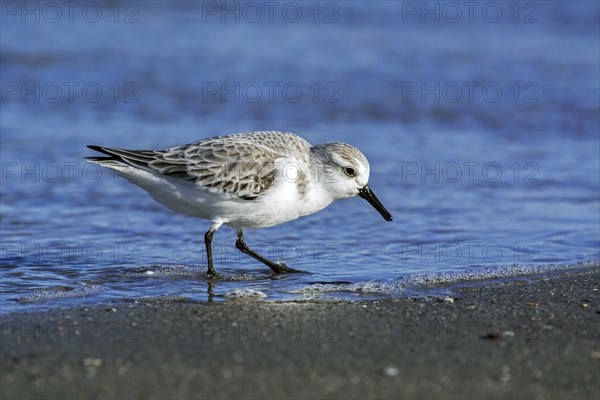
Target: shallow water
column 483, row 139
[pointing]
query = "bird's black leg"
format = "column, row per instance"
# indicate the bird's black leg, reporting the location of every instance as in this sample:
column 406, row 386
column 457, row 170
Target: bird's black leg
column 208, row 242
column 278, row 267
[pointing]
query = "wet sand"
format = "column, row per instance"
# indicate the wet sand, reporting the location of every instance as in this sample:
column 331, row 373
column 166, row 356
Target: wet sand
column 530, row 337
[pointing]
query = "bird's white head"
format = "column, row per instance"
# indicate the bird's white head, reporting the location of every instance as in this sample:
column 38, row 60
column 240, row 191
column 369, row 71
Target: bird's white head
column 346, row 174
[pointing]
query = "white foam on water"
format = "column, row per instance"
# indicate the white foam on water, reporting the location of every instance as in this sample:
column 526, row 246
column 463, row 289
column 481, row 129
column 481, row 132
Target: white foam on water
column 487, row 273
column 183, row 271
column 245, row 294
column 424, row 281
column 165, row 271
column 60, row 293
column 369, row 287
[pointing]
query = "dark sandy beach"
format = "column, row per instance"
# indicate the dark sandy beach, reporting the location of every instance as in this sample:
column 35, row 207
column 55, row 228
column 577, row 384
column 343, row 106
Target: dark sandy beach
column 531, row 337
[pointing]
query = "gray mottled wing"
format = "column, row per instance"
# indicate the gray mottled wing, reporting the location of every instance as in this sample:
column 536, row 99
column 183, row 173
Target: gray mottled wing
column 242, row 169
column 238, row 165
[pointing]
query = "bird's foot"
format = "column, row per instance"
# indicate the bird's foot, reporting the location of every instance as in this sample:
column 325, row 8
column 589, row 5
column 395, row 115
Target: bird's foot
column 281, row 268
column 213, row 275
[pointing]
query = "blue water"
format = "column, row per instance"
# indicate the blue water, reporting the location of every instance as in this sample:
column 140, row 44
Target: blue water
column 482, row 132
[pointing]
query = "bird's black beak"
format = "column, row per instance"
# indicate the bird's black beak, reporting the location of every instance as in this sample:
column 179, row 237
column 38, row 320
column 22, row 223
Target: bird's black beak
column 367, row 194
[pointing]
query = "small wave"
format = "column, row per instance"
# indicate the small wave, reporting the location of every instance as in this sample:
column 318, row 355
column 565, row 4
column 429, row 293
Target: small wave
column 61, row 292
column 245, row 294
column 369, row 287
column 414, row 283
column 165, row 271
column 184, row 271
column 480, row 273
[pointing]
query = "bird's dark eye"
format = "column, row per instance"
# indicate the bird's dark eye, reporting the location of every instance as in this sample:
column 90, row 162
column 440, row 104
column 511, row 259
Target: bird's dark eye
column 349, row 171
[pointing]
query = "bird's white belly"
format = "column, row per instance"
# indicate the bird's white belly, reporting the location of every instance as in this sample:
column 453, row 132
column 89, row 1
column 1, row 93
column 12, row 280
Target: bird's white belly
column 281, row 203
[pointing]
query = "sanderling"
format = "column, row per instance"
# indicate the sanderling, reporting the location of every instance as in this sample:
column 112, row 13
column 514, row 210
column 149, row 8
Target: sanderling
column 246, row 180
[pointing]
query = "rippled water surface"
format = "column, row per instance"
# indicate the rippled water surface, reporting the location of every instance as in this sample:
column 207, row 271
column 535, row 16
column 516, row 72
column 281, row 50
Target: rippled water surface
column 483, row 139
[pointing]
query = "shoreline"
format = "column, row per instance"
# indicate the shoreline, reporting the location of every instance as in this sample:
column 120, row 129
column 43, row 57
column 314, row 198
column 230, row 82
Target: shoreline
column 536, row 337
column 418, row 285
